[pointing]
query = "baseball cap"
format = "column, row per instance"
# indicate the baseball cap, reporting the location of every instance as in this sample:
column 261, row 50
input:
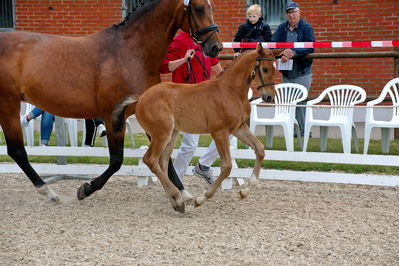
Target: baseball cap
column 291, row 6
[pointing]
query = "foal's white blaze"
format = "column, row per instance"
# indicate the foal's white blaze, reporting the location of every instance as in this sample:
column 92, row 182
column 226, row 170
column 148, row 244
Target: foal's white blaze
column 46, row 191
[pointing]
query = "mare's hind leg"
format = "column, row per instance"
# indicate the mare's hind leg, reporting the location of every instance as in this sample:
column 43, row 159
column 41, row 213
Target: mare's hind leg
column 223, row 145
column 115, row 147
column 9, row 121
column 164, row 160
column 152, row 159
column 245, row 135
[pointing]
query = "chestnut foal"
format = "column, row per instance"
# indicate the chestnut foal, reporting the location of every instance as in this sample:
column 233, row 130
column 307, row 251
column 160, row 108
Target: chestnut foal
column 219, row 107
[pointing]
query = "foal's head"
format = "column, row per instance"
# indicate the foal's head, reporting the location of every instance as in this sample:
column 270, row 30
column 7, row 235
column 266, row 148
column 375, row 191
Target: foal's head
column 263, row 71
column 198, row 21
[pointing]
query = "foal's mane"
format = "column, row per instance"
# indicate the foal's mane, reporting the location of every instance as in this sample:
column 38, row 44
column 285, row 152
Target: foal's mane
column 234, row 61
column 138, row 12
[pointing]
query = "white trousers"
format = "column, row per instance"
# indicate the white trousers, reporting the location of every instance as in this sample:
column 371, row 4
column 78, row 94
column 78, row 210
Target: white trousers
column 186, row 152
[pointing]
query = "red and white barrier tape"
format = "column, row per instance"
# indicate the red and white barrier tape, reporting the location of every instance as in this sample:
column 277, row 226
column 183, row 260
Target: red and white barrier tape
column 354, row 44
column 324, row 106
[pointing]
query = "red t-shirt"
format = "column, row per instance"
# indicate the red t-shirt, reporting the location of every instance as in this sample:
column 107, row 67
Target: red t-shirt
column 177, row 49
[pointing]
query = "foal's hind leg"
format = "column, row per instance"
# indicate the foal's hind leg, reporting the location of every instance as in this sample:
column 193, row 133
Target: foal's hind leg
column 115, row 147
column 223, row 145
column 245, row 135
column 9, row 121
column 152, row 159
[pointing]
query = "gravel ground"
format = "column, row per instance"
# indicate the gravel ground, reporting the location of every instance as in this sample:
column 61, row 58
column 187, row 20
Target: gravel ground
column 280, row 223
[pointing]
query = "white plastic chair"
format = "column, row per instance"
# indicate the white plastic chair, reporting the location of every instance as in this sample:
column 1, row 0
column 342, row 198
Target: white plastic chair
column 28, row 131
column 391, row 89
column 338, row 95
column 284, row 116
column 71, row 125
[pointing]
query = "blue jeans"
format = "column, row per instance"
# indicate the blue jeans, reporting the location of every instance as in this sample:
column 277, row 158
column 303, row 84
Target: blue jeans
column 305, row 81
column 46, row 125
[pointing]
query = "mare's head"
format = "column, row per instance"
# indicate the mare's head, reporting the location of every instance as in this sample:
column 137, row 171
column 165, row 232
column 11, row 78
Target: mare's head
column 262, row 72
column 198, row 21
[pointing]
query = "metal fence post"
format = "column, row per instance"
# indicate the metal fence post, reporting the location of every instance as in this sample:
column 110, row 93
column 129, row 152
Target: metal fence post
column 60, row 137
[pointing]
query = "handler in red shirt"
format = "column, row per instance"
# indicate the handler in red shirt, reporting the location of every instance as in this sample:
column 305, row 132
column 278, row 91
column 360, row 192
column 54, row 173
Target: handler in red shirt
column 189, row 64
column 175, row 61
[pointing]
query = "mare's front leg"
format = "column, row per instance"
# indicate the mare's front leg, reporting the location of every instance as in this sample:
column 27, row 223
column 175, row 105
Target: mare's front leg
column 115, row 147
column 10, row 122
column 223, row 146
column 245, row 135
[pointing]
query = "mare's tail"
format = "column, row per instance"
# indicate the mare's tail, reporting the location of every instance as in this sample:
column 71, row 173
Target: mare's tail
column 118, row 115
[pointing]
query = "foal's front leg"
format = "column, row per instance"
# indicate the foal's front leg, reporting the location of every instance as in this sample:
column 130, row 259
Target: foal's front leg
column 223, row 145
column 164, row 161
column 152, row 159
column 245, row 135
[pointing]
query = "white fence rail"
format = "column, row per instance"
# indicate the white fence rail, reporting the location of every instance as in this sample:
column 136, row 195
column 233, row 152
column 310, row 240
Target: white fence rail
column 144, row 173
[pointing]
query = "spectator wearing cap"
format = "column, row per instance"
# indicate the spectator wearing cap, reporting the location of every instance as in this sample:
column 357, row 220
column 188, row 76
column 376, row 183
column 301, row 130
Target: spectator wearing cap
column 295, row 29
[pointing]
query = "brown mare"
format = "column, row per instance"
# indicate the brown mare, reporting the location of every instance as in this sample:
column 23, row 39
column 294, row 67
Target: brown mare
column 86, row 77
column 219, row 107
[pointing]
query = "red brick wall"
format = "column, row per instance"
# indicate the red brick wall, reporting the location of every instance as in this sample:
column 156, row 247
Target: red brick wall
column 66, row 17
column 345, row 21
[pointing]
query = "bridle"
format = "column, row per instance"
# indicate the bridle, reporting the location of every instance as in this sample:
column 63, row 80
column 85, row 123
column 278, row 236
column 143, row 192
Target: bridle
column 257, row 67
column 197, row 35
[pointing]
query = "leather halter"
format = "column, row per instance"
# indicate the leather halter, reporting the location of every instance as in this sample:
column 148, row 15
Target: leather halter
column 197, row 35
column 257, row 67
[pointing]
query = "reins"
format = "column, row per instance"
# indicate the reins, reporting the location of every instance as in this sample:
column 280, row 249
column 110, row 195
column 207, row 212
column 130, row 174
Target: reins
column 257, row 67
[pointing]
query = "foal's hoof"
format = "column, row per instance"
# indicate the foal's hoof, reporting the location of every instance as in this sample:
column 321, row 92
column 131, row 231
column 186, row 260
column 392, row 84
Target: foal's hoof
column 199, row 201
column 179, row 209
column 243, row 193
column 186, row 195
column 83, row 191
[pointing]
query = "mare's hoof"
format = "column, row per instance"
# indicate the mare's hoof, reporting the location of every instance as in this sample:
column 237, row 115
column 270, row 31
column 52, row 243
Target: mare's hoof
column 54, row 198
column 179, row 209
column 82, row 191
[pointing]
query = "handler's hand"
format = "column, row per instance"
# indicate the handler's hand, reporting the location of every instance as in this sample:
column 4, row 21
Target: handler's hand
column 189, row 54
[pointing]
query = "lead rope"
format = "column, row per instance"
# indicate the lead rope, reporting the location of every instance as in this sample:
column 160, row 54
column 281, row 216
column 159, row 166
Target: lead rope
column 205, row 71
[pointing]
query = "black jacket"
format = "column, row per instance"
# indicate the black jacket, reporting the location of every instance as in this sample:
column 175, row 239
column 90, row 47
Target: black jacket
column 258, row 32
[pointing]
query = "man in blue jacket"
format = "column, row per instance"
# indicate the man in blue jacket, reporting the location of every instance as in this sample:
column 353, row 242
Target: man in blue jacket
column 296, row 30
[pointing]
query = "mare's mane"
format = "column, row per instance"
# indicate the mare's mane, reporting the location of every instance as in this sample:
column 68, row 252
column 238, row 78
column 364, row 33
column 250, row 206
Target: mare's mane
column 138, row 12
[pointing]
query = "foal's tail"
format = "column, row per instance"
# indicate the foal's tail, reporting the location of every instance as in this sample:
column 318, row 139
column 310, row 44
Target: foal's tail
column 118, row 115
